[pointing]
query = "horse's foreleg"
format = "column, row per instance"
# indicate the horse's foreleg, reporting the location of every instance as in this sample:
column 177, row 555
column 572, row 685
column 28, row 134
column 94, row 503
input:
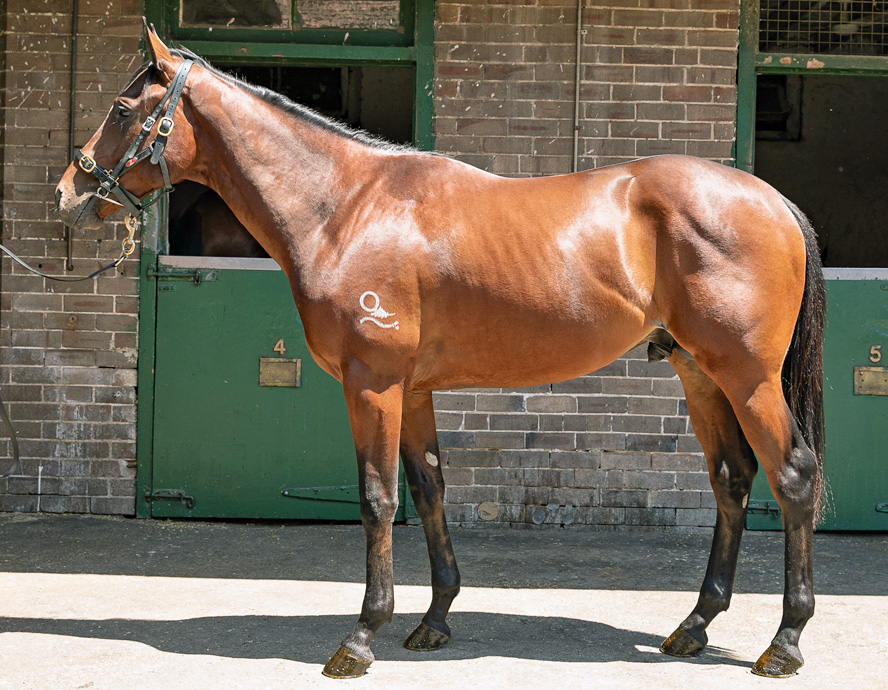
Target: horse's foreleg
column 374, row 409
column 732, row 467
column 422, row 467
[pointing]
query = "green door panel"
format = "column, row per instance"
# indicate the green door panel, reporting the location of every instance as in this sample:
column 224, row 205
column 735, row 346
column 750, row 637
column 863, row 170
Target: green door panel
column 856, row 423
column 238, row 449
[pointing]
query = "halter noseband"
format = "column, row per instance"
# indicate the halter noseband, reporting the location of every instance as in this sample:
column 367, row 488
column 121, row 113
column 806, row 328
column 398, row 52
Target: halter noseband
column 109, row 181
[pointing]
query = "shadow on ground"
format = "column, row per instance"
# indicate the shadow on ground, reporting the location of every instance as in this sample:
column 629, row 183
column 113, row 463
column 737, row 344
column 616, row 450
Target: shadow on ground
column 298, row 638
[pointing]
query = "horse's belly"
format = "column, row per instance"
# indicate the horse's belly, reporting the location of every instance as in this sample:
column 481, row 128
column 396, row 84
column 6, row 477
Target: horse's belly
column 526, row 352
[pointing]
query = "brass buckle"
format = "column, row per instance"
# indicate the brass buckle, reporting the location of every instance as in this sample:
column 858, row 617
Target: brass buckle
column 165, row 127
column 87, row 164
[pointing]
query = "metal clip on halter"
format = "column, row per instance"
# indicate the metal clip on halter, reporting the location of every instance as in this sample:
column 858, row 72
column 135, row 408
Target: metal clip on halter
column 128, row 246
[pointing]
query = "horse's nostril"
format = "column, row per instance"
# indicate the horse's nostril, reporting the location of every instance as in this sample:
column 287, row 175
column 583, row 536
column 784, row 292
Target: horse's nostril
column 58, row 198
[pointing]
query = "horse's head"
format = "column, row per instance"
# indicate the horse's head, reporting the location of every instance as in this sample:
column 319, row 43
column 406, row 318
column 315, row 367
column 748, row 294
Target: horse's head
column 109, row 172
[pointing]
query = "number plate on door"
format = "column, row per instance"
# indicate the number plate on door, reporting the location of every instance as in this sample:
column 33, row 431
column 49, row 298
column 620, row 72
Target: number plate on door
column 871, row 380
column 280, row 372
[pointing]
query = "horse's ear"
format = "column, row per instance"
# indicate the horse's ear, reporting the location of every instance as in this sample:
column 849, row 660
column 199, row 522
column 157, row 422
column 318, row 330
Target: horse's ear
column 157, row 51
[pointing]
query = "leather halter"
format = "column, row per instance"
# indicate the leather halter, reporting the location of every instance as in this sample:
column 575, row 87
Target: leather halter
column 109, row 181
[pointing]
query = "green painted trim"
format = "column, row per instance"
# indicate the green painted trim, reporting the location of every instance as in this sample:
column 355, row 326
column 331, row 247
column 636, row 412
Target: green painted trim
column 295, row 52
column 155, row 14
column 787, row 63
column 151, row 222
column 744, row 146
column 424, row 102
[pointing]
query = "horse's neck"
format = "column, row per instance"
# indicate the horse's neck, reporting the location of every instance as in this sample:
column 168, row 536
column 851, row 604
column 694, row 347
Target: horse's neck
column 280, row 175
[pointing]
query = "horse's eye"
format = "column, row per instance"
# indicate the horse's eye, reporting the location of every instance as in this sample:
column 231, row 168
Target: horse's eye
column 123, row 111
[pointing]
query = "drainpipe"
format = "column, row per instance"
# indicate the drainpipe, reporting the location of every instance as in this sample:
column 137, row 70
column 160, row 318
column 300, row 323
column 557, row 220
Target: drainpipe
column 75, row 10
column 576, row 120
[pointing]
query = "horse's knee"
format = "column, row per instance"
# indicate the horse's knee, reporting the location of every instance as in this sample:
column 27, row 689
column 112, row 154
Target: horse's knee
column 378, row 508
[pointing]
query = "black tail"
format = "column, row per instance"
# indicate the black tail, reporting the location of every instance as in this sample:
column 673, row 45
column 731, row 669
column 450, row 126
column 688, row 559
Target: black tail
column 803, row 368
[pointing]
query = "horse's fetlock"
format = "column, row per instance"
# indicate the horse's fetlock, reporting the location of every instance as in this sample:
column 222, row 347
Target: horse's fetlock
column 799, row 607
column 715, row 599
column 448, row 591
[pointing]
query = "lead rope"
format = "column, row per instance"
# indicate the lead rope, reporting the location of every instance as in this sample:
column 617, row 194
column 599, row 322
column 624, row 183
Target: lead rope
column 127, row 247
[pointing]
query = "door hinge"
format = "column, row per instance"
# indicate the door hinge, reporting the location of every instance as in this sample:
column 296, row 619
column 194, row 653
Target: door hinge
column 337, row 494
column 763, row 508
column 882, row 508
column 176, row 495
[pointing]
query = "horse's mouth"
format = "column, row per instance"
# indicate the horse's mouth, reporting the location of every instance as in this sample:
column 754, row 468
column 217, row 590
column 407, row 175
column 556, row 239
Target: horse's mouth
column 83, row 216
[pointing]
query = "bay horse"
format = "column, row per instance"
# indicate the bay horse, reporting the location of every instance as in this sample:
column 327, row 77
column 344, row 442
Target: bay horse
column 413, row 272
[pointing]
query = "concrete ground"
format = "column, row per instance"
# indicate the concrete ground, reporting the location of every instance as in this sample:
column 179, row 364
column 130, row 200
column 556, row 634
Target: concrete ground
column 89, row 602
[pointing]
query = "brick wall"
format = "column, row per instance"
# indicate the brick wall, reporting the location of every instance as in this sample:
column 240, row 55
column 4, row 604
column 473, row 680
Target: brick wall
column 613, row 447
column 68, row 351
column 658, row 76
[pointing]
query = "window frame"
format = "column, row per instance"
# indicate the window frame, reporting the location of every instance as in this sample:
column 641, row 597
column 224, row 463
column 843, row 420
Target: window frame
column 751, row 63
column 164, row 14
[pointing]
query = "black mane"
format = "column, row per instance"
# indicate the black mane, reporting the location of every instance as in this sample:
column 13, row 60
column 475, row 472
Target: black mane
column 286, row 105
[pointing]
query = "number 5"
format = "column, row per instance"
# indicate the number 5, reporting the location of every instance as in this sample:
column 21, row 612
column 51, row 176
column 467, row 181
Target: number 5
column 875, row 354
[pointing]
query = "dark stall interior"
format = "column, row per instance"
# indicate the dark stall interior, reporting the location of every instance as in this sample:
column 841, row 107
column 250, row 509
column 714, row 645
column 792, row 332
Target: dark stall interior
column 377, row 99
column 822, row 142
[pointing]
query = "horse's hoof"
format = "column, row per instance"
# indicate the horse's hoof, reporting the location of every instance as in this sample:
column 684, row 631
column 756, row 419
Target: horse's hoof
column 426, row 639
column 683, row 643
column 346, row 664
column 777, row 662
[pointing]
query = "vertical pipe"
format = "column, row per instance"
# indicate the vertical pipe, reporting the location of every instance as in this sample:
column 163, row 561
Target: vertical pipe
column 75, row 10
column 579, row 68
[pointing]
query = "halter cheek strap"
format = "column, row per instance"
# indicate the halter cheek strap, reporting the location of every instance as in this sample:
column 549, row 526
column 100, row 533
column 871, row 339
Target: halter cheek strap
column 109, row 181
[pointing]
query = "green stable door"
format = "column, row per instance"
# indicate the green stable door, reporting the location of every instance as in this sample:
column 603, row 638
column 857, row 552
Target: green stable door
column 246, row 425
column 855, row 367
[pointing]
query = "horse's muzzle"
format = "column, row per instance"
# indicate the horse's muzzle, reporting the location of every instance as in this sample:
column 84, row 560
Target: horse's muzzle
column 78, row 211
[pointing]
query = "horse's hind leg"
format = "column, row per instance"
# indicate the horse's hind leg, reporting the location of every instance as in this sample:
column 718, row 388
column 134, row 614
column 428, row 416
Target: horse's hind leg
column 732, row 467
column 421, row 457
column 793, row 473
column 374, row 409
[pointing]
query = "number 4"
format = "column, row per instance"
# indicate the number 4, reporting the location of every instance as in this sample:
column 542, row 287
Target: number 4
column 279, row 347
